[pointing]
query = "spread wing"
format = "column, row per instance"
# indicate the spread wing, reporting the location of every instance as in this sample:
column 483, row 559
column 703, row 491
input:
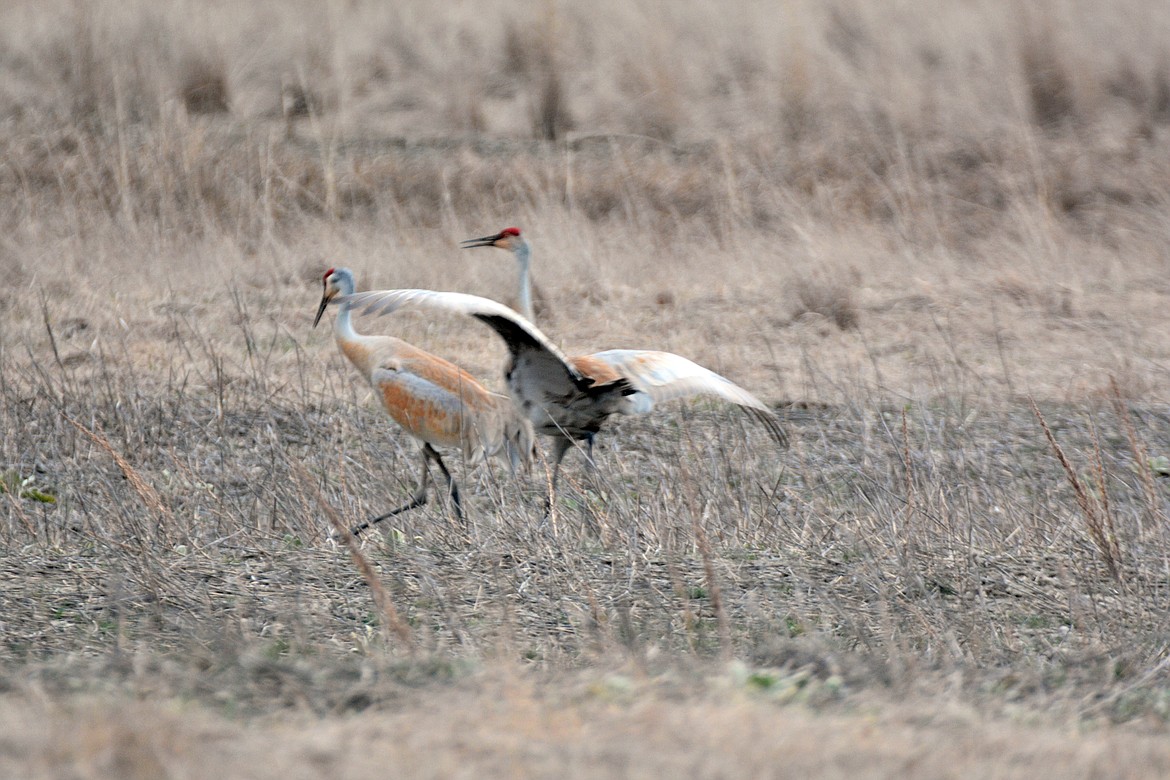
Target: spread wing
column 593, row 385
column 664, row 376
column 518, row 333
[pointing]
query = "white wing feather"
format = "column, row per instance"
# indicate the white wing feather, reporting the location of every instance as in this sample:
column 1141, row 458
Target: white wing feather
column 665, row 376
column 380, row 302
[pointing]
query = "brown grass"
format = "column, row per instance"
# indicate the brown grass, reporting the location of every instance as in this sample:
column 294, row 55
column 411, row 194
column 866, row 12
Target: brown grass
column 389, row 613
column 971, row 204
column 590, row 724
column 1098, row 519
column 834, row 299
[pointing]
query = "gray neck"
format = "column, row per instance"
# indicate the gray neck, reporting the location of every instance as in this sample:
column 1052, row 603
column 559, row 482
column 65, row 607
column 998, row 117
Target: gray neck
column 342, row 323
column 523, row 259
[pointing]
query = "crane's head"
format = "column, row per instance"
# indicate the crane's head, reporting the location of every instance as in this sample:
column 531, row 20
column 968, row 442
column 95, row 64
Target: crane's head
column 338, row 281
column 509, row 238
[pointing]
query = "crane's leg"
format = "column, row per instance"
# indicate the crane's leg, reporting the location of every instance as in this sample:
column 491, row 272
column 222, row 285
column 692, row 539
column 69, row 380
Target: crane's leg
column 560, row 447
column 594, row 477
column 590, row 464
column 418, row 499
column 432, row 454
column 589, row 452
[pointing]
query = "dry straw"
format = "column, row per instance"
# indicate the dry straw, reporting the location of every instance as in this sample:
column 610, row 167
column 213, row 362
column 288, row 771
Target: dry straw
column 1141, row 456
column 148, row 495
column 1098, row 518
column 391, row 620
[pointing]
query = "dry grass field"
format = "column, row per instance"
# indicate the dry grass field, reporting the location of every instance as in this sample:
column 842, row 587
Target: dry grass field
column 934, row 236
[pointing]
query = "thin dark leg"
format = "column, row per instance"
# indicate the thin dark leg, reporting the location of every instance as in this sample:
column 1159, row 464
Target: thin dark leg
column 433, row 454
column 595, row 477
column 418, row 499
column 591, row 465
column 560, row 447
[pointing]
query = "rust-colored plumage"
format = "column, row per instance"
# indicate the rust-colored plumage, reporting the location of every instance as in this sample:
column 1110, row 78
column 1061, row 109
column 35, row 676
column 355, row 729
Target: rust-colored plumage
column 595, row 368
column 432, row 399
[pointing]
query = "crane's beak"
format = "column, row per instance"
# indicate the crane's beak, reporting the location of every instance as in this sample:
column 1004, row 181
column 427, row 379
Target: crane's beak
column 472, row 243
column 325, row 299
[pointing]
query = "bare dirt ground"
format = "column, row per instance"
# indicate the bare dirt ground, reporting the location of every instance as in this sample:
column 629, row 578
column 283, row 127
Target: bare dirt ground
column 901, row 227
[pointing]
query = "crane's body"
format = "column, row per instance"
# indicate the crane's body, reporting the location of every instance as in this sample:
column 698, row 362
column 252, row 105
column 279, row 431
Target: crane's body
column 432, row 399
column 570, row 399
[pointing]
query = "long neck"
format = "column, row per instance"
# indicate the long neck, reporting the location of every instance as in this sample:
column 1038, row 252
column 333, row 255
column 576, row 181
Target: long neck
column 523, row 259
column 343, row 324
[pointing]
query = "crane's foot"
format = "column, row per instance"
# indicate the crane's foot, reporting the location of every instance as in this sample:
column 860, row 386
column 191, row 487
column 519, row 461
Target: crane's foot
column 457, row 504
column 548, row 514
column 430, row 453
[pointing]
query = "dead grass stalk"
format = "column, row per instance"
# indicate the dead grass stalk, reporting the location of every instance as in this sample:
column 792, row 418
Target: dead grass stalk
column 390, row 617
column 713, row 591
column 1141, row 456
column 1098, row 521
column 146, row 492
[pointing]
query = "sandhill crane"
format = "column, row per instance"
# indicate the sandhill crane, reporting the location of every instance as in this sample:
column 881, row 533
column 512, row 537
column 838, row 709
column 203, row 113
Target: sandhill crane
column 569, row 399
column 435, row 401
column 685, row 377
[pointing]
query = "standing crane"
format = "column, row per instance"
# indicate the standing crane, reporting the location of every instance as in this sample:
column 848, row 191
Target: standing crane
column 569, row 399
column 435, row 401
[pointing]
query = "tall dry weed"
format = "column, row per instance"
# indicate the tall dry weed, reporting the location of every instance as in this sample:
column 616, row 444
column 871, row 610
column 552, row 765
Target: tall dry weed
column 1141, row 458
column 1095, row 511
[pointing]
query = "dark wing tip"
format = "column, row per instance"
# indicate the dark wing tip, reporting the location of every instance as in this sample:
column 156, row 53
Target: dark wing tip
column 772, row 423
column 515, row 336
column 621, row 386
